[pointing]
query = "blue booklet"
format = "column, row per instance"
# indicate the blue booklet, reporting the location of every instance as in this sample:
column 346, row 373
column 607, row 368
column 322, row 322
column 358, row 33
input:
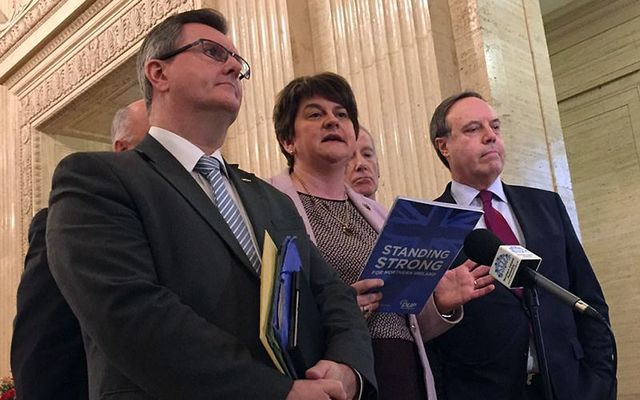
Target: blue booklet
column 418, row 243
column 296, row 326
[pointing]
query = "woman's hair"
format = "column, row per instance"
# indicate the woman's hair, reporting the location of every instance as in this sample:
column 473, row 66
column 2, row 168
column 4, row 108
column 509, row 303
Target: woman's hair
column 328, row 85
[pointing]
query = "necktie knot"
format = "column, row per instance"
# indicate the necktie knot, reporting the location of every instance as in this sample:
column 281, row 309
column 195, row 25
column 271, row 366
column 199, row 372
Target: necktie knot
column 208, row 166
column 495, row 221
column 486, row 197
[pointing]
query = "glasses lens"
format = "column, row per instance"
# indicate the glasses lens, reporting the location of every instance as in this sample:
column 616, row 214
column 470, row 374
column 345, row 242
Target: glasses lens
column 215, row 51
column 221, row 54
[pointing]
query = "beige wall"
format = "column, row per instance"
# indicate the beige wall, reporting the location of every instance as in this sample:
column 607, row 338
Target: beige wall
column 66, row 66
column 595, row 55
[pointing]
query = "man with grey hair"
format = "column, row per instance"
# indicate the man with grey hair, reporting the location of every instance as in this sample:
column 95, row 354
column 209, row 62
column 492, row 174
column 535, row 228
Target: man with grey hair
column 129, row 125
column 156, row 249
column 363, row 171
column 47, row 354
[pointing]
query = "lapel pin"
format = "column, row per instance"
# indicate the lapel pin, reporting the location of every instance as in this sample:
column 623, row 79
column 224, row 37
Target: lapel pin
column 245, row 179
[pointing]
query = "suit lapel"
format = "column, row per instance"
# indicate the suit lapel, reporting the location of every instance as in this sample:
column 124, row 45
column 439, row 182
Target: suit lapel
column 521, row 206
column 446, row 196
column 254, row 201
column 174, row 173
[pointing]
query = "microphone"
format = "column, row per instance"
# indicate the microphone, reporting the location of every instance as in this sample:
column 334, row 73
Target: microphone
column 515, row 266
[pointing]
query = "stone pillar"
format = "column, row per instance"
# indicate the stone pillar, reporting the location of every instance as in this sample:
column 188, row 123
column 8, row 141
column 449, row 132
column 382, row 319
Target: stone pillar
column 502, row 53
column 10, row 228
column 260, row 31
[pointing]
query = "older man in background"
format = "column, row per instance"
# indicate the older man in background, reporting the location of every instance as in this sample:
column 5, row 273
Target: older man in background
column 47, row 354
column 363, row 171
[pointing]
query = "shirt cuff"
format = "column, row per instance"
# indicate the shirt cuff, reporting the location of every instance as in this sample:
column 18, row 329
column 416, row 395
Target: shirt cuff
column 360, row 383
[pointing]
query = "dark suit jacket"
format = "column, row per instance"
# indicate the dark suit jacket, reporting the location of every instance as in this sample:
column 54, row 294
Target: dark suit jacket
column 47, row 354
column 167, row 300
column 484, row 356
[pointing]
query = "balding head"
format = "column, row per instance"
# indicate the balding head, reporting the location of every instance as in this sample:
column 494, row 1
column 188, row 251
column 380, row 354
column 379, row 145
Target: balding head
column 129, row 126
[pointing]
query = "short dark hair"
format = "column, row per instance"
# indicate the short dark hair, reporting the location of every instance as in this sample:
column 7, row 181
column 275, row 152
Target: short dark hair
column 331, row 86
column 164, row 37
column 438, row 126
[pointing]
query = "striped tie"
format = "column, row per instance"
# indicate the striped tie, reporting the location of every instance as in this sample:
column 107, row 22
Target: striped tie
column 209, row 167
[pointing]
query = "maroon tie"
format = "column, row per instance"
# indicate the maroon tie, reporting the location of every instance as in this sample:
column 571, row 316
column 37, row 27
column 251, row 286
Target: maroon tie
column 495, row 221
column 497, row 224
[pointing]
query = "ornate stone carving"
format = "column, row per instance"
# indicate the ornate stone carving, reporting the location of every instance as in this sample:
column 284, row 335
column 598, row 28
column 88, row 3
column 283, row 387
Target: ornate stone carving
column 99, row 52
column 25, row 17
column 68, row 76
column 80, row 21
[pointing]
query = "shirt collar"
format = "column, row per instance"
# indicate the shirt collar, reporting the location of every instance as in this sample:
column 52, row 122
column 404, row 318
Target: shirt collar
column 464, row 195
column 183, row 150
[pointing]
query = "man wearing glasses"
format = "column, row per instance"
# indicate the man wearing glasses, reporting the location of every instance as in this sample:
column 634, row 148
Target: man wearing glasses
column 157, row 250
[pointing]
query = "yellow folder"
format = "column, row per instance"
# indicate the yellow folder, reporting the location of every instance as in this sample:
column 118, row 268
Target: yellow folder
column 267, row 280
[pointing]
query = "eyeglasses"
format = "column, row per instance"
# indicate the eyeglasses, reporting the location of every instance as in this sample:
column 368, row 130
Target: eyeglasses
column 213, row 50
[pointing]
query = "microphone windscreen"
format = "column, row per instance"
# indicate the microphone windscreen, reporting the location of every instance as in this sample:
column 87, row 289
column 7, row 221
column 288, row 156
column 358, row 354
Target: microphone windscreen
column 481, row 246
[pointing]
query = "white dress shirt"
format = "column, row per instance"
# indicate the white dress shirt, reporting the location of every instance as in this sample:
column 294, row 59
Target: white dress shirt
column 468, row 196
column 188, row 155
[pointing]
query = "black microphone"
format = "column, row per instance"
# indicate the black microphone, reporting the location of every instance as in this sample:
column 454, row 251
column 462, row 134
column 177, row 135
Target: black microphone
column 515, row 266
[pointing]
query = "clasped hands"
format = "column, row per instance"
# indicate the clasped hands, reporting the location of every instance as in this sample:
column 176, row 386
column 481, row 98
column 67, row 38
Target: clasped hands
column 325, row 380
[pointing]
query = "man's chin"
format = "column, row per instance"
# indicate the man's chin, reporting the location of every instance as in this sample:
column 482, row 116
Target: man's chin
column 363, row 188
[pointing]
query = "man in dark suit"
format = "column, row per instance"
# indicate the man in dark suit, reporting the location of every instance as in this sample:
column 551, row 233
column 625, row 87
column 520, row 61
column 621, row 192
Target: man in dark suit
column 488, row 355
column 47, row 353
column 166, row 294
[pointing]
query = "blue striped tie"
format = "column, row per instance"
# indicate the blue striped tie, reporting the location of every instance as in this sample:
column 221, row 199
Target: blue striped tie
column 209, row 167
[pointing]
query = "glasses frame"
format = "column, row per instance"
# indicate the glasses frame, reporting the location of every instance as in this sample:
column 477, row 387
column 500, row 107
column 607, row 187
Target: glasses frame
column 245, row 72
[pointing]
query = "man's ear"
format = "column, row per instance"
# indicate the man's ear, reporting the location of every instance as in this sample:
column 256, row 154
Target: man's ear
column 120, row 145
column 155, row 72
column 441, row 145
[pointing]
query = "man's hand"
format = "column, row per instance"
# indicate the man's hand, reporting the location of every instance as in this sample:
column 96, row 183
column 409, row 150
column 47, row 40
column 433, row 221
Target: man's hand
column 461, row 284
column 305, row 389
column 329, row 370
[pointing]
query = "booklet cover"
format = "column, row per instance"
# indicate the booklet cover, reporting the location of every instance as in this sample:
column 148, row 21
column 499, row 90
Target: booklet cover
column 417, row 245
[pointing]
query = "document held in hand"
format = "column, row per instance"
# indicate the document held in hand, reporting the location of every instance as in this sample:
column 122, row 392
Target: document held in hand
column 418, row 243
column 291, row 328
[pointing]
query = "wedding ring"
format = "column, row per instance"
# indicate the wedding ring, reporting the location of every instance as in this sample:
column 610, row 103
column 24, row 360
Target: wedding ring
column 366, row 311
column 475, row 284
column 363, row 309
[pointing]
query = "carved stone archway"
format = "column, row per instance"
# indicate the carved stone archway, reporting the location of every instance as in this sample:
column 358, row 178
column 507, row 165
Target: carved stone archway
column 83, row 69
column 65, row 67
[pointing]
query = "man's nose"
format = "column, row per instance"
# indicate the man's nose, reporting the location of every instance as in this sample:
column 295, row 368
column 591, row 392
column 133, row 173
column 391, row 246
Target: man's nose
column 233, row 66
column 361, row 165
column 489, row 134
